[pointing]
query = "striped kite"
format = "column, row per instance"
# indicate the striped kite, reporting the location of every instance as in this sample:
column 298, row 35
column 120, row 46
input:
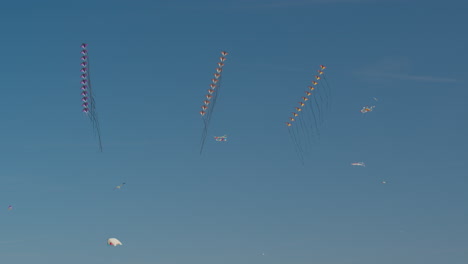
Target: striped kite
column 88, row 101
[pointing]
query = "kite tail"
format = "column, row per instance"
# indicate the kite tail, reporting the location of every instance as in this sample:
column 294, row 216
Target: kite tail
column 204, row 134
column 297, row 136
column 326, row 96
column 314, row 125
column 306, row 134
column 318, row 109
column 92, row 109
column 330, row 92
column 296, row 145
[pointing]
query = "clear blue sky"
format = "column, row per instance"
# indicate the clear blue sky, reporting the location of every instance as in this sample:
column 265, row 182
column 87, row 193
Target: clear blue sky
column 152, row 63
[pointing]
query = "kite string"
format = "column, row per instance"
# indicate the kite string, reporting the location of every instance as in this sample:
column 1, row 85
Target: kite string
column 92, row 108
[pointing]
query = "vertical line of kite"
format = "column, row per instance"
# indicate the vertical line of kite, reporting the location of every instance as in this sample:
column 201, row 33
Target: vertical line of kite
column 89, row 103
column 211, row 98
column 302, row 129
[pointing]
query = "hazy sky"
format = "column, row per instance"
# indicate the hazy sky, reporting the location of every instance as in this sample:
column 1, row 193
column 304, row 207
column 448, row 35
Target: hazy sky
column 247, row 200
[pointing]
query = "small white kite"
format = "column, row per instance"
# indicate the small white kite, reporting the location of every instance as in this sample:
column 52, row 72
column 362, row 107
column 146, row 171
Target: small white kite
column 114, row 242
column 358, row 164
column 119, row 186
column 367, row 109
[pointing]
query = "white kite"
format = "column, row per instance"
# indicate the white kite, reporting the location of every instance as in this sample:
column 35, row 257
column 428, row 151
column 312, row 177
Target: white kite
column 119, row 186
column 114, row 242
column 358, row 164
column 367, row 109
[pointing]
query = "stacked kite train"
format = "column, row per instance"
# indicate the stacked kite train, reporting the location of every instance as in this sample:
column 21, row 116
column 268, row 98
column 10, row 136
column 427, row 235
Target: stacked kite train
column 88, row 102
column 304, row 123
column 210, row 98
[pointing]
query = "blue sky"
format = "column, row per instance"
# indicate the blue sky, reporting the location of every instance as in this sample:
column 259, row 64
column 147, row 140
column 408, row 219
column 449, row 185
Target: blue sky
column 248, row 200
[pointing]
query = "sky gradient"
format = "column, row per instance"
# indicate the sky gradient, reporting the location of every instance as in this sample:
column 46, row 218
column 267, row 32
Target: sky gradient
column 247, row 200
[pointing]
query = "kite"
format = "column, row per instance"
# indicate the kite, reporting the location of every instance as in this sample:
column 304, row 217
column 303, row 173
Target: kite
column 309, row 114
column 358, row 164
column 119, row 186
column 10, row 207
column 88, row 101
column 211, row 98
column 367, row 109
column 114, row 242
column 222, row 138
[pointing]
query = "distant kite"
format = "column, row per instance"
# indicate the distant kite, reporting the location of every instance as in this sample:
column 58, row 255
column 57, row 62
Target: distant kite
column 10, row 207
column 88, row 101
column 114, row 242
column 367, row 109
column 211, row 98
column 358, row 164
column 119, row 186
column 222, row 138
column 303, row 126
